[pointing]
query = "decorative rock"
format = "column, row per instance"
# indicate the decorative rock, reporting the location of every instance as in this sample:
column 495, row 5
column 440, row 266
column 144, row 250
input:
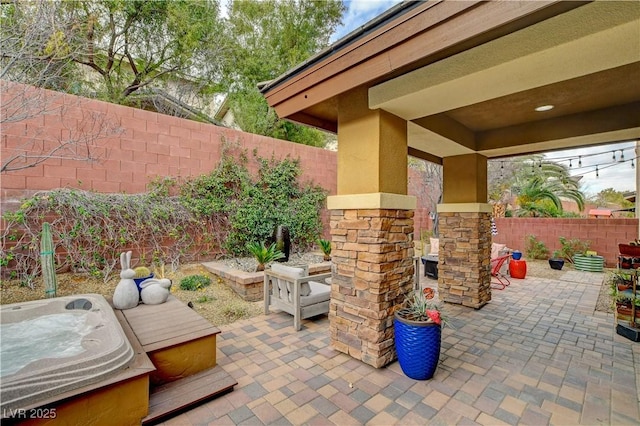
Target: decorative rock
column 155, row 291
column 126, row 294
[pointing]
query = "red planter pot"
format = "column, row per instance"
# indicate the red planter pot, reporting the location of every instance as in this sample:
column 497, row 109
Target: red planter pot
column 517, row 268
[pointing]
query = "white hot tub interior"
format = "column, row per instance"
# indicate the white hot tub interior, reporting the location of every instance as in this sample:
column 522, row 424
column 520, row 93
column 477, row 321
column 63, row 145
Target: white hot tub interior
column 56, row 345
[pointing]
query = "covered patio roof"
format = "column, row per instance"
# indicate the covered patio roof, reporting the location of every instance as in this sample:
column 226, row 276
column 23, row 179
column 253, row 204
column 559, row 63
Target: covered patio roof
column 468, row 75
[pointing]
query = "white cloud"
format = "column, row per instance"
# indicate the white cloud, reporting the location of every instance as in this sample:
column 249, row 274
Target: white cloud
column 359, row 12
column 616, row 174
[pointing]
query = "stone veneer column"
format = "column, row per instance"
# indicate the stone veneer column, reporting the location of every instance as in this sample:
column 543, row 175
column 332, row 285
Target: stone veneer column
column 464, row 274
column 372, row 271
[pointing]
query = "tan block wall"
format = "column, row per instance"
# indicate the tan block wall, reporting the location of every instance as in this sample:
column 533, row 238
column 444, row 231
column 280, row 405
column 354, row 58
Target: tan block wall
column 373, row 269
column 464, row 275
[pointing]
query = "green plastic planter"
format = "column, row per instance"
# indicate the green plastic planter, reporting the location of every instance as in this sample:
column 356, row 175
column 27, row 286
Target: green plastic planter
column 588, row 263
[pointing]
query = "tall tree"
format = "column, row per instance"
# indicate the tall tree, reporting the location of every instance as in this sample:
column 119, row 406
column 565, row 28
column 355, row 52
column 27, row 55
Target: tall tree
column 537, row 185
column 269, row 38
column 118, row 47
column 35, row 52
column 546, row 181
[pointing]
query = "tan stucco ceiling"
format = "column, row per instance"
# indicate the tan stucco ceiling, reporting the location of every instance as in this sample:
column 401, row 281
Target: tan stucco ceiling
column 586, row 62
column 467, row 76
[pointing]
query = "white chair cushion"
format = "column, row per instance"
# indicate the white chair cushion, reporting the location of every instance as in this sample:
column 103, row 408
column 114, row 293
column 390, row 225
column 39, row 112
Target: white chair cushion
column 293, row 273
column 289, row 271
column 319, row 293
column 435, row 245
column 496, row 249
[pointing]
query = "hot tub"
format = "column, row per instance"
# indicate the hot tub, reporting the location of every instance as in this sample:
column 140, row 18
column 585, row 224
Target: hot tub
column 56, row 345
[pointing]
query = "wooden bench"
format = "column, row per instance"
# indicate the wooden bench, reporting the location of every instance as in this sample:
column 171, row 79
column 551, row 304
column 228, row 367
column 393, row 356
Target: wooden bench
column 181, row 344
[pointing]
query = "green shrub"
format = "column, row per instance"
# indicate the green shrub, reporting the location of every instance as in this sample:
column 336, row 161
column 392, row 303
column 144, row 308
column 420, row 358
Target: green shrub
column 535, row 249
column 572, row 247
column 194, row 282
column 221, row 211
column 235, row 310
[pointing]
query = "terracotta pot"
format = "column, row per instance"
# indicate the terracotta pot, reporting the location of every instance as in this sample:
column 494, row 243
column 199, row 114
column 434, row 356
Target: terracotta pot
column 629, row 250
column 623, row 287
column 624, row 313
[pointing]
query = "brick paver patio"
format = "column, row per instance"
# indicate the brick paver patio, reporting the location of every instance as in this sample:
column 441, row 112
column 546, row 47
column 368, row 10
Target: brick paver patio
column 537, row 354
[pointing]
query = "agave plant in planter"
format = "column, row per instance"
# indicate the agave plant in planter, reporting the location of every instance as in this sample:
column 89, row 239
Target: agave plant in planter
column 417, row 326
column 264, row 254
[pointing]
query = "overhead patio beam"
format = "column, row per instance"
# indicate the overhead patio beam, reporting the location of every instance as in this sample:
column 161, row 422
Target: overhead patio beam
column 438, row 29
column 515, row 63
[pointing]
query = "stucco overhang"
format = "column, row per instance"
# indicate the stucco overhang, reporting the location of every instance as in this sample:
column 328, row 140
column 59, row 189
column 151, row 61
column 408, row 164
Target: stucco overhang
column 467, row 75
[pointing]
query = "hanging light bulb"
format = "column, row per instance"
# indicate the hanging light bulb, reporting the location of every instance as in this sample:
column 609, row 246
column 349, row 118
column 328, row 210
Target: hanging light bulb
column 579, row 160
column 622, row 155
column 633, row 166
column 570, row 165
column 614, row 155
column 597, row 174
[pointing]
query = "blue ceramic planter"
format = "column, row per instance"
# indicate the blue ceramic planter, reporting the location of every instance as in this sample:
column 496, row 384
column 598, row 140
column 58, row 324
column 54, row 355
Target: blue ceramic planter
column 139, row 281
column 418, row 346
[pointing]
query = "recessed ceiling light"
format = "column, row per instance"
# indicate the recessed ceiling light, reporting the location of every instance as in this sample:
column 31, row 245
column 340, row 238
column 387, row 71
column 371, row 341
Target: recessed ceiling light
column 544, row 108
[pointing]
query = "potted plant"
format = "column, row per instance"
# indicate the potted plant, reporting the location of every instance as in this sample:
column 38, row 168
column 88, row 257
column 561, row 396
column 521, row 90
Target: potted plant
column 417, row 327
column 325, row 247
column 264, row 254
column 620, row 281
column 556, row 261
column 624, row 307
column 142, row 273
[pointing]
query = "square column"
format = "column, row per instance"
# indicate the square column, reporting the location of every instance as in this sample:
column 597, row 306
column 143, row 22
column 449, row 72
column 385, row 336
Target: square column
column 464, row 267
column 371, row 230
column 373, row 270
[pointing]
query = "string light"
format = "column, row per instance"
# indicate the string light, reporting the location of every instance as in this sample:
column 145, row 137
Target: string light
column 615, row 159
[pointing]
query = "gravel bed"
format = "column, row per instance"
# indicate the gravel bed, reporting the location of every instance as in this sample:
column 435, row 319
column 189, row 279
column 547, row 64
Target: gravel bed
column 249, row 264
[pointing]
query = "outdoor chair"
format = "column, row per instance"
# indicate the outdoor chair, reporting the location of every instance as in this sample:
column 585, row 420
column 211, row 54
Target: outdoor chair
column 499, row 280
column 293, row 290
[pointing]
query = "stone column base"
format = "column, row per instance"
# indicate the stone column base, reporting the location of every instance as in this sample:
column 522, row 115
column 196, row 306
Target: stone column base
column 464, row 268
column 372, row 271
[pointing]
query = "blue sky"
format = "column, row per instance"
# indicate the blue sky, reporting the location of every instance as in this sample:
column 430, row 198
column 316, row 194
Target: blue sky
column 617, row 175
column 359, row 12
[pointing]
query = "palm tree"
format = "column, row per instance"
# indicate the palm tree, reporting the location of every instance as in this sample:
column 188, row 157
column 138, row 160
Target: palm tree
column 544, row 188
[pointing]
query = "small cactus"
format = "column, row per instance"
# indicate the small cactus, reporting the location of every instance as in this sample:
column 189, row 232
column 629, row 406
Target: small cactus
column 142, row 271
column 48, row 265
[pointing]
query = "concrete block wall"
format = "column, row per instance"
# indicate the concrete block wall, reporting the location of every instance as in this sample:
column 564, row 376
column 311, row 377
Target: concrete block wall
column 604, row 234
column 150, row 145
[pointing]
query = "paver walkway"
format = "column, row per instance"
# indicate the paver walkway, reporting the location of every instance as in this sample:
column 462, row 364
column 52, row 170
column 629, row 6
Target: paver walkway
column 536, row 354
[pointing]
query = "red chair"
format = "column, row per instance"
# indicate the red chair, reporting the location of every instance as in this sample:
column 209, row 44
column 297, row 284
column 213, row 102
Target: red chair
column 501, row 281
